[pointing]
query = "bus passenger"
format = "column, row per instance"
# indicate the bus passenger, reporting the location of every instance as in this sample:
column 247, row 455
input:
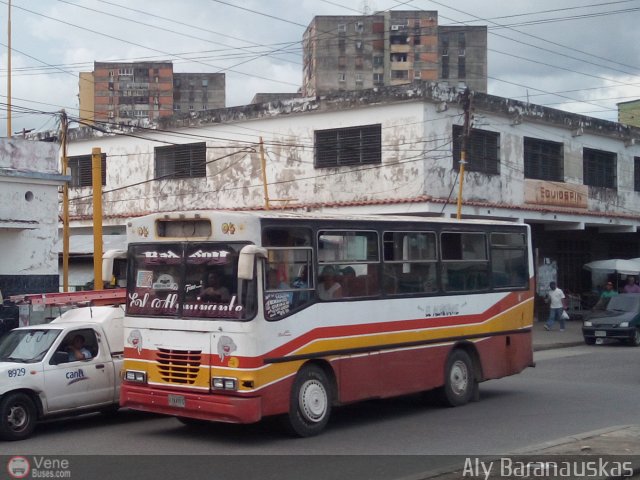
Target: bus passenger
column 328, row 287
column 213, row 290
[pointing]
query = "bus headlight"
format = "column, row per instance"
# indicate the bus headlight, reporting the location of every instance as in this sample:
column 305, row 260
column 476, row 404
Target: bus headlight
column 224, row 383
column 135, row 376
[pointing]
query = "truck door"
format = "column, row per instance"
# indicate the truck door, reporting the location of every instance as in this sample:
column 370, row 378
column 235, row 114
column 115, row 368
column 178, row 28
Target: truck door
column 80, row 383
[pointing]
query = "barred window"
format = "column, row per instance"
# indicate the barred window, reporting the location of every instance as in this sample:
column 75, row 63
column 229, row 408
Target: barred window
column 348, row 146
column 462, row 67
column 483, row 150
column 543, row 160
column 636, row 174
column 599, row 168
column 445, row 66
column 181, row 161
column 80, row 167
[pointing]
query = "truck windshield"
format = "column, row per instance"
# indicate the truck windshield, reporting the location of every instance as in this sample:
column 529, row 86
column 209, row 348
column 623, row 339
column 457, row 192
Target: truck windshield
column 28, row 346
column 193, row 280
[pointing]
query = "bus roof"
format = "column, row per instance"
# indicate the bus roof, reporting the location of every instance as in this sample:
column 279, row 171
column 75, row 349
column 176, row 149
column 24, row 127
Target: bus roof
column 185, row 215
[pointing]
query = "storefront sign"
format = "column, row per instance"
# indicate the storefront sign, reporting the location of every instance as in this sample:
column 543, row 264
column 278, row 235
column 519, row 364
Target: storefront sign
column 540, row 192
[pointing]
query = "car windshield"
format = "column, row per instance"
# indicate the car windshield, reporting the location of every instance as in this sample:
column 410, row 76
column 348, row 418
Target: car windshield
column 27, row 346
column 624, row 303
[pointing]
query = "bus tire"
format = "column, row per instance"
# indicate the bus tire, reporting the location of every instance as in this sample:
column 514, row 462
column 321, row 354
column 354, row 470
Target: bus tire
column 310, row 402
column 17, row 416
column 460, row 385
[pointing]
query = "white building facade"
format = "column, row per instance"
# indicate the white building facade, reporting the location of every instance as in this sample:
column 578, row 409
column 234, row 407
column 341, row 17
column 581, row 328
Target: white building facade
column 29, row 183
column 575, row 179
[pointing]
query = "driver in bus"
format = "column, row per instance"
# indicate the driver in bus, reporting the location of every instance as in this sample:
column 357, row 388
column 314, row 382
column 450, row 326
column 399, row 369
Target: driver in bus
column 213, row 290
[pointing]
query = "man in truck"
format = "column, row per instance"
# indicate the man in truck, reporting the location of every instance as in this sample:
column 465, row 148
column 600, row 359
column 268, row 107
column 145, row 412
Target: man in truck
column 77, row 349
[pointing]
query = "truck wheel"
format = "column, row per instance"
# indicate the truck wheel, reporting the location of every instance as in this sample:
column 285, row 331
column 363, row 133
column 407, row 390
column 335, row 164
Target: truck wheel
column 17, row 416
column 459, row 382
column 310, row 402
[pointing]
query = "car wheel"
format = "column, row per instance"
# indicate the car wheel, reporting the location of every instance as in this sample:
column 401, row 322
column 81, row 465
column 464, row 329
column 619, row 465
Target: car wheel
column 310, row 402
column 635, row 341
column 17, row 417
column 589, row 340
column 459, row 382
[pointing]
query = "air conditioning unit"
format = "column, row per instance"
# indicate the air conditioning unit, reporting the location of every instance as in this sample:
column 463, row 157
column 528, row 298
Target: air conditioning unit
column 395, row 27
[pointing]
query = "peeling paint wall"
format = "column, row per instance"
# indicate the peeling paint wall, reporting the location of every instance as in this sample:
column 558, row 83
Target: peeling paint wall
column 28, row 216
column 234, row 177
column 416, row 124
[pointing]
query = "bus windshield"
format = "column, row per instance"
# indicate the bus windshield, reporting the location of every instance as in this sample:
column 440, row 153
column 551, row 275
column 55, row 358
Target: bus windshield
column 188, row 280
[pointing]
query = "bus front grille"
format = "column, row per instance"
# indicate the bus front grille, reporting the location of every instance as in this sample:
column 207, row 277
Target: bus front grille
column 179, row 366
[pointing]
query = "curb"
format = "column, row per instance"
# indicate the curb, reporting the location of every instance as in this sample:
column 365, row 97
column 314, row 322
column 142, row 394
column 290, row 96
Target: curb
column 445, row 473
column 553, row 346
column 569, row 439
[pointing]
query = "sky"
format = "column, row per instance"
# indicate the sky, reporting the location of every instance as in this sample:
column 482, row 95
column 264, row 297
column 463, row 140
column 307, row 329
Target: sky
column 581, row 56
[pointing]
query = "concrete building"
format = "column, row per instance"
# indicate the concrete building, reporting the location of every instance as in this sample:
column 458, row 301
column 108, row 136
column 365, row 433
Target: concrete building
column 573, row 178
column 391, row 48
column 29, row 181
column 141, row 92
column 195, row 92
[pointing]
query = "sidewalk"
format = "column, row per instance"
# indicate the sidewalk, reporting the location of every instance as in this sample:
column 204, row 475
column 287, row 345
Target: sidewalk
column 546, row 340
column 606, row 446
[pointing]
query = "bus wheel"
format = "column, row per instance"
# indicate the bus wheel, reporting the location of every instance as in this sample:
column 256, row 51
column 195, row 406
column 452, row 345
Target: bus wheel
column 310, row 402
column 17, row 417
column 459, row 383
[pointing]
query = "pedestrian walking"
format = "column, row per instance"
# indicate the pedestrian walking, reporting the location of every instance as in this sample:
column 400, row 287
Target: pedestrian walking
column 555, row 298
column 631, row 286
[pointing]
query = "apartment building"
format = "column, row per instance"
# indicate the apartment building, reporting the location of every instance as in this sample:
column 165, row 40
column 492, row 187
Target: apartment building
column 142, row 92
column 391, row 48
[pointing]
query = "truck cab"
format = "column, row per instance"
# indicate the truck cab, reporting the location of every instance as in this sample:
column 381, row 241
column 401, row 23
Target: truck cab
column 40, row 377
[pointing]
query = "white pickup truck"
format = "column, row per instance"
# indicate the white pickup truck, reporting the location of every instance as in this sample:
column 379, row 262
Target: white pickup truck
column 41, row 378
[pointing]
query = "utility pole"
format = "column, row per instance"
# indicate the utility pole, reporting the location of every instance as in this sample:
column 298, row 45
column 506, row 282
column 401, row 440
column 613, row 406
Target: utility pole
column 263, row 163
column 96, row 182
column 9, row 70
column 64, row 126
column 466, row 105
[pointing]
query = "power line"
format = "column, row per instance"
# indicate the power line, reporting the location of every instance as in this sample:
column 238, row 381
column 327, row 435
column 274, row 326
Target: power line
column 96, row 32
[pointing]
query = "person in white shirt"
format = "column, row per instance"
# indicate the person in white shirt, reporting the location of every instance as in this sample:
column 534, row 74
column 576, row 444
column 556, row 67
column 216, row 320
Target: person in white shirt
column 555, row 298
column 328, row 287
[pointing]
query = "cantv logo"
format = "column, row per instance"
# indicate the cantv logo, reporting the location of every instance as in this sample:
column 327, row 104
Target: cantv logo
column 76, row 376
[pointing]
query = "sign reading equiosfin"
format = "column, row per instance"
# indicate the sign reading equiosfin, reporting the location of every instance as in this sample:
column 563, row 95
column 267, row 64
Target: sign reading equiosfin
column 541, row 192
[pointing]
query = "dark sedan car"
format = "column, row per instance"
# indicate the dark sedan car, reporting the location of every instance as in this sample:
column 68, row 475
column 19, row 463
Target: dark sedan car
column 619, row 321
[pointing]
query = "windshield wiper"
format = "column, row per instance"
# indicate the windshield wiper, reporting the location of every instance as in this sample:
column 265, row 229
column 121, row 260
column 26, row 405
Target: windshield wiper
column 14, row 359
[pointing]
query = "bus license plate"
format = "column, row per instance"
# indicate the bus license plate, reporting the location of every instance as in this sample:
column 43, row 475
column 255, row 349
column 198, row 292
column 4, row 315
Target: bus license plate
column 176, row 401
column 600, row 333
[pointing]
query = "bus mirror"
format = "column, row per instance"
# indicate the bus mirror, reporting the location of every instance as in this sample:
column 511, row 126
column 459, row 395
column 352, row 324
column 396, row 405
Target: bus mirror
column 246, row 261
column 107, row 263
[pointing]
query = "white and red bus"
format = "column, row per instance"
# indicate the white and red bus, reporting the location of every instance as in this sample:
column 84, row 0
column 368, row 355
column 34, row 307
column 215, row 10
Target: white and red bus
column 234, row 316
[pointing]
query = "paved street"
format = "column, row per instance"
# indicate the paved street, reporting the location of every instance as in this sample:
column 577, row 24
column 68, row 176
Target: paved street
column 572, row 390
